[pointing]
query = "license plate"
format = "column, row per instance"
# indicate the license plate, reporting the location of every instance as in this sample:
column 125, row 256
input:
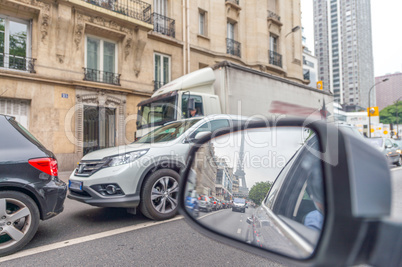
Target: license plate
column 75, row 185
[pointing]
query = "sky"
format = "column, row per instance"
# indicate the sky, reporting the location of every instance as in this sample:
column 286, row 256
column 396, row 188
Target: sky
column 386, row 25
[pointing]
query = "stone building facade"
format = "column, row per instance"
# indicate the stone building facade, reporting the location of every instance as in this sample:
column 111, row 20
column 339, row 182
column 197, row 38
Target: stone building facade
column 73, row 71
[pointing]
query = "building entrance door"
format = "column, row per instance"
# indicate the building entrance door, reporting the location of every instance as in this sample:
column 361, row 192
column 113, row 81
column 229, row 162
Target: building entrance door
column 99, row 128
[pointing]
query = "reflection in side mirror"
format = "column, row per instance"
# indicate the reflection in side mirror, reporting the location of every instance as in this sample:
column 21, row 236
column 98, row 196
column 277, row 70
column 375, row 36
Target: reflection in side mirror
column 274, row 171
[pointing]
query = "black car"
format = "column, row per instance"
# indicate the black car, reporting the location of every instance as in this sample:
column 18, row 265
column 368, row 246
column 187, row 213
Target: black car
column 30, row 189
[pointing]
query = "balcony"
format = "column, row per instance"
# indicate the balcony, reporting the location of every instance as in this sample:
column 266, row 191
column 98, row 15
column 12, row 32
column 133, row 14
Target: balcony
column 14, row 62
column 233, row 47
column 101, row 76
column 135, row 9
column 163, row 24
column 275, row 58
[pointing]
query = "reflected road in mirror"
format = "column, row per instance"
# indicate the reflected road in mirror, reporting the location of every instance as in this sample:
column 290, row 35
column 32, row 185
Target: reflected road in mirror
column 261, row 186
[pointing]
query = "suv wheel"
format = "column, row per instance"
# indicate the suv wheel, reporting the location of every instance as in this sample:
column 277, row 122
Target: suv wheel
column 160, row 195
column 19, row 220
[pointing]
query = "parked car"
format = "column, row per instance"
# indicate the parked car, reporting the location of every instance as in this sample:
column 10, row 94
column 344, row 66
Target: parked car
column 239, row 204
column 30, row 189
column 204, row 203
column 145, row 173
column 388, row 148
column 399, row 144
column 215, row 203
column 192, row 203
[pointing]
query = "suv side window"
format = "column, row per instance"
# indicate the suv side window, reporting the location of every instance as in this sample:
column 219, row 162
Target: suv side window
column 211, row 126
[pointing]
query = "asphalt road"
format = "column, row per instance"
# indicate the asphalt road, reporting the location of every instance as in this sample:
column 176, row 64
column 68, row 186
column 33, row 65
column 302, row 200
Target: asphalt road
column 228, row 222
column 89, row 236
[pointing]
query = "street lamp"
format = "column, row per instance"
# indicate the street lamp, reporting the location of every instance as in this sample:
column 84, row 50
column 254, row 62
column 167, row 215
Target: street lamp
column 369, row 104
column 295, row 29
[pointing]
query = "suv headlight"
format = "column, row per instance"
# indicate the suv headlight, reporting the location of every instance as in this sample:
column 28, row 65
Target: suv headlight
column 125, row 158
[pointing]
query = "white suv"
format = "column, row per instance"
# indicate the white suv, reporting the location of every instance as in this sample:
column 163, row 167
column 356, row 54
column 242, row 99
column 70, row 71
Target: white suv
column 144, row 173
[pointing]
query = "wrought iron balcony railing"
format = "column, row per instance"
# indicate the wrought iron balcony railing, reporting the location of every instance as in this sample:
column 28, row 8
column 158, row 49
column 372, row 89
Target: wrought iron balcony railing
column 14, row 62
column 233, row 47
column 306, row 75
column 163, row 24
column 158, row 84
column 273, row 15
column 101, row 76
column 275, row 58
column 131, row 8
column 237, row 2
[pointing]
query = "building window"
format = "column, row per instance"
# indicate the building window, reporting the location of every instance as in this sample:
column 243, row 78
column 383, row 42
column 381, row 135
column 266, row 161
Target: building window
column 160, row 7
column 233, row 47
column 273, row 43
column 15, row 43
column 162, row 70
column 202, row 23
column 101, row 61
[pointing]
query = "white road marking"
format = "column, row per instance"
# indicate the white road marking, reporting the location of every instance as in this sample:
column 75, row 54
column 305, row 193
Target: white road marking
column 239, row 231
column 211, row 213
column 83, row 239
column 396, row 169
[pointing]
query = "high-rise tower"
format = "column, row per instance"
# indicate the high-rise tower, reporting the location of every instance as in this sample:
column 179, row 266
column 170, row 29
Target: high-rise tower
column 343, row 47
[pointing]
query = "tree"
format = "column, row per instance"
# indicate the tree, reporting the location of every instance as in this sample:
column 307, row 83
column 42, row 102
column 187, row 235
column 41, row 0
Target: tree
column 388, row 114
column 259, row 191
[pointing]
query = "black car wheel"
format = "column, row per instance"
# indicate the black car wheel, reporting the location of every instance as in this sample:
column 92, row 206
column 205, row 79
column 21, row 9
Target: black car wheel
column 19, row 221
column 159, row 195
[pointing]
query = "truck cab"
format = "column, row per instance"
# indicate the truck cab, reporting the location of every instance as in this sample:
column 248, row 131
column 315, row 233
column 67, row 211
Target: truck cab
column 174, row 100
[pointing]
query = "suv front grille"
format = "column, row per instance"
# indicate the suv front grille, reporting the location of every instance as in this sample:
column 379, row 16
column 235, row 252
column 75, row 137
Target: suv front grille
column 89, row 167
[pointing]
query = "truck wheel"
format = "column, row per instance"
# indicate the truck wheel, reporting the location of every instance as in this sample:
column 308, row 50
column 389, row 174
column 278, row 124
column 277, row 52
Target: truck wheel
column 19, row 220
column 160, row 195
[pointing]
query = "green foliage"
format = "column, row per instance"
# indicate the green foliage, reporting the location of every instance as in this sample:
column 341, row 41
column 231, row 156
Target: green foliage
column 259, row 191
column 388, row 114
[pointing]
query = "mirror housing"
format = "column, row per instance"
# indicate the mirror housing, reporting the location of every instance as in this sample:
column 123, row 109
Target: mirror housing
column 357, row 194
column 191, row 104
column 201, row 135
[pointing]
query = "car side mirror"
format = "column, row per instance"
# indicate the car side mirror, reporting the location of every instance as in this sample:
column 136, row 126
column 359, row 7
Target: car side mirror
column 306, row 186
column 201, row 135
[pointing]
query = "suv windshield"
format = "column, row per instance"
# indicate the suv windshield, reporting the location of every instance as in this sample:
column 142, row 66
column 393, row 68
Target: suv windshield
column 157, row 112
column 168, row 132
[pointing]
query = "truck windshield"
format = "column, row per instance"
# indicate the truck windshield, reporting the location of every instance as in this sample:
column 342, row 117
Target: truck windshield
column 168, row 132
column 157, row 112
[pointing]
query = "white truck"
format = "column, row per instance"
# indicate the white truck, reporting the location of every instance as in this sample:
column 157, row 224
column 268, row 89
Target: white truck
column 229, row 88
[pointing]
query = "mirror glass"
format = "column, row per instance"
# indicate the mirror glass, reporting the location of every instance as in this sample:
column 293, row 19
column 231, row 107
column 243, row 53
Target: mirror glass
column 261, row 186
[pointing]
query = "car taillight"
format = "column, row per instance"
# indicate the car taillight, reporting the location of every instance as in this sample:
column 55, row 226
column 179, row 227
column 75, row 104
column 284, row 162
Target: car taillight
column 214, row 202
column 46, row 165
